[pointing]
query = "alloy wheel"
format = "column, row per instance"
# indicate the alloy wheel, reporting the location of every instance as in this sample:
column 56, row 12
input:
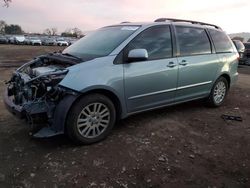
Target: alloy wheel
column 219, row 92
column 93, row 120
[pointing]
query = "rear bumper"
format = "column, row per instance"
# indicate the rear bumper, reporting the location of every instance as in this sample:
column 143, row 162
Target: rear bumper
column 13, row 108
column 234, row 79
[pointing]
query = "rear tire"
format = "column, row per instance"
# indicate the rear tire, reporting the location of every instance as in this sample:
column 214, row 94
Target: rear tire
column 91, row 119
column 218, row 93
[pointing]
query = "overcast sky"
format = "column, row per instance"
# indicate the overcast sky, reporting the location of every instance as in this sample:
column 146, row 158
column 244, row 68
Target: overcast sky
column 37, row 15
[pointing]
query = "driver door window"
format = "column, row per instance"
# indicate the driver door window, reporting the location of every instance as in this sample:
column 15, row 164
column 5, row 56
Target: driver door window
column 156, row 40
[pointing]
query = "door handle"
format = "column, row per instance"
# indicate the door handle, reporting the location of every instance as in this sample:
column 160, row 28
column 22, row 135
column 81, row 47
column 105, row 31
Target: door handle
column 183, row 62
column 171, row 64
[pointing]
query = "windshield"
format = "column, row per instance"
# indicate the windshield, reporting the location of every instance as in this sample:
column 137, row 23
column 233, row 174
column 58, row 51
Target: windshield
column 101, row 42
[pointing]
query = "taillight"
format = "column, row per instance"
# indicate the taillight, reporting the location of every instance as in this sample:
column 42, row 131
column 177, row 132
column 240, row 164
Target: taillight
column 238, row 56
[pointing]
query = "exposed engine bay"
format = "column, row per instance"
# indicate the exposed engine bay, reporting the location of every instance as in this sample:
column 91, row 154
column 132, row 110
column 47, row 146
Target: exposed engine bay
column 34, row 88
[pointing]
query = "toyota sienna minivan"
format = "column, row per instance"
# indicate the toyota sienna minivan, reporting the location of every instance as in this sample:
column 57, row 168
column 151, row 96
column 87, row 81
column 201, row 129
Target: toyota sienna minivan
column 120, row 70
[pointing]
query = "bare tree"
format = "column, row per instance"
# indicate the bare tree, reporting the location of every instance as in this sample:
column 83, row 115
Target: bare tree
column 47, row 31
column 6, row 3
column 77, row 32
column 50, row 31
column 74, row 32
column 53, row 31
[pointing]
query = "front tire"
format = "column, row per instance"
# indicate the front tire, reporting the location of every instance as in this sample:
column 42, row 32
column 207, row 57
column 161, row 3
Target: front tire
column 218, row 93
column 91, row 119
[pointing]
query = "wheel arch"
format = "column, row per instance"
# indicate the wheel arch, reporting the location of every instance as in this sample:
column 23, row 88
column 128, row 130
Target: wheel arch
column 108, row 93
column 63, row 108
column 227, row 77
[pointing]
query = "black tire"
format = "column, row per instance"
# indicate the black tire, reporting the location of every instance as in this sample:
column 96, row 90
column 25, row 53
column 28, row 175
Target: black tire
column 76, row 112
column 211, row 101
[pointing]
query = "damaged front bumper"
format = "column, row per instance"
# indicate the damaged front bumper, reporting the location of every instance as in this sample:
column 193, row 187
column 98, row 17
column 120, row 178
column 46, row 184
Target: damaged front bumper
column 53, row 116
column 13, row 108
column 34, row 94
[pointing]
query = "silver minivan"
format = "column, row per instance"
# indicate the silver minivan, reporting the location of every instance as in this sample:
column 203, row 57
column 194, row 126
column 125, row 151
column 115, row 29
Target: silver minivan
column 121, row 70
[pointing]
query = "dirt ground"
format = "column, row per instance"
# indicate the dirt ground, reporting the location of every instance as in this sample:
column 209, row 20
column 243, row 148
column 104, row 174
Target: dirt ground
column 187, row 145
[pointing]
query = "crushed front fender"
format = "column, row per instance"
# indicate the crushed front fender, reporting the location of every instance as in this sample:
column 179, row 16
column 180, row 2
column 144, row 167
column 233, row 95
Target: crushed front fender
column 59, row 118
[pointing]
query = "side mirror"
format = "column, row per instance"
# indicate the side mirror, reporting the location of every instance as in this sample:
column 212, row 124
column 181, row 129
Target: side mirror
column 137, row 55
column 239, row 46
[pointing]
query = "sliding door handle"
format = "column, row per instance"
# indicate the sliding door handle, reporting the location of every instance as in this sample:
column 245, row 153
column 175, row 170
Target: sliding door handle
column 171, row 64
column 183, row 62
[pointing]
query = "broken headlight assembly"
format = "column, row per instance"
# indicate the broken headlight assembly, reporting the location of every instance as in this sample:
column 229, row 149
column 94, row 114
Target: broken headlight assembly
column 34, row 88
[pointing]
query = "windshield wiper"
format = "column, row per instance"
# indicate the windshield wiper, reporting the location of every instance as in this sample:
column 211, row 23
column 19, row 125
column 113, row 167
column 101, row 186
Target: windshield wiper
column 70, row 55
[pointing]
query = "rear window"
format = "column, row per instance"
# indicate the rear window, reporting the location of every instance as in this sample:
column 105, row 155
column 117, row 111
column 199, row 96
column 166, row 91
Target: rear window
column 238, row 44
column 192, row 41
column 221, row 41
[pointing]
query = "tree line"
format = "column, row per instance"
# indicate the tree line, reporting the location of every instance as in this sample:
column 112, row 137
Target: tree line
column 10, row 29
column 15, row 29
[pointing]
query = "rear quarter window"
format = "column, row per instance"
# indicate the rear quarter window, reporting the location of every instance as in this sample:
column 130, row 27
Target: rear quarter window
column 221, row 41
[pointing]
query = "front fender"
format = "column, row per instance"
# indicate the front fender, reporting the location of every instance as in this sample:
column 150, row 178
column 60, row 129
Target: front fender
column 97, row 74
column 59, row 118
column 103, row 88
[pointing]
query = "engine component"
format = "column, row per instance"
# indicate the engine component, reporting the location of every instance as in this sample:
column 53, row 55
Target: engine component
column 44, row 70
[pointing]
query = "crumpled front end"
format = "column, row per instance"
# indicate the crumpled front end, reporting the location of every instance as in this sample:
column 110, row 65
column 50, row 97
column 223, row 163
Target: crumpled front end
column 34, row 93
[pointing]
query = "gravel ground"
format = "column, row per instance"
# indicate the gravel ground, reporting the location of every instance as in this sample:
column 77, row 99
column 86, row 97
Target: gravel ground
column 187, row 145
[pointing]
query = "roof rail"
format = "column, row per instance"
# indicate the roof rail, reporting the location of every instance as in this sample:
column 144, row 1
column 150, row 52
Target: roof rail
column 125, row 22
column 189, row 21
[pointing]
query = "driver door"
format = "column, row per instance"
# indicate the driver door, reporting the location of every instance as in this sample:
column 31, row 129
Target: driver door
column 151, row 83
